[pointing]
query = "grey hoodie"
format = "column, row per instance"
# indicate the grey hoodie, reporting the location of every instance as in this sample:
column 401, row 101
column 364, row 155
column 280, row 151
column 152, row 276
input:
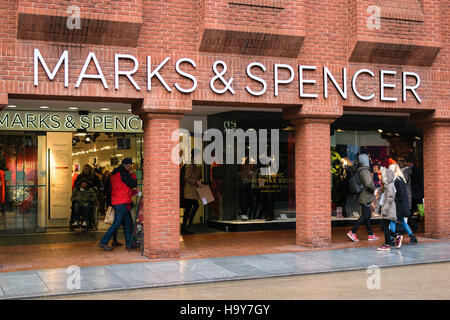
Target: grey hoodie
column 388, row 209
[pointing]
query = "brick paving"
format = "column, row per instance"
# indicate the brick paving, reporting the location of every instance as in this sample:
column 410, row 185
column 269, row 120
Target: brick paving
column 64, row 253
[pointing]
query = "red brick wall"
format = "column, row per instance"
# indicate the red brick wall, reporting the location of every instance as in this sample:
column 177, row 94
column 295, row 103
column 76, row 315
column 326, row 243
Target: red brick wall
column 312, row 181
column 436, row 147
column 161, row 187
column 329, row 31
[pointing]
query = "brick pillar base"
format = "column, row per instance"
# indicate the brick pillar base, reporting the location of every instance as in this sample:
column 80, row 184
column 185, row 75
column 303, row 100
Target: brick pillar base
column 161, row 187
column 436, row 152
column 312, row 182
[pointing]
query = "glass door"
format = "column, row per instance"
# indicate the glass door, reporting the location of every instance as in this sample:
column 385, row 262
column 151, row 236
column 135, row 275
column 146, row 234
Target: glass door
column 22, row 183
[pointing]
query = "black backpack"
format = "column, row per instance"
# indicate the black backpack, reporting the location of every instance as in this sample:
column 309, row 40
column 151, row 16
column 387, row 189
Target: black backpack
column 355, row 184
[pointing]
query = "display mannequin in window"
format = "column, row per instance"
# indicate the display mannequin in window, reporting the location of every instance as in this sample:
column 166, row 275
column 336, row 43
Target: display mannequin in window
column 192, row 180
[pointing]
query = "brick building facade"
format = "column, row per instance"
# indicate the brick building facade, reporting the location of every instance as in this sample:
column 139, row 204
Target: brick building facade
column 294, row 42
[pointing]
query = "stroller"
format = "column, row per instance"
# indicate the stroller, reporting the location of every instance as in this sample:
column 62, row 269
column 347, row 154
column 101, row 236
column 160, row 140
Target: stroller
column 138, row 226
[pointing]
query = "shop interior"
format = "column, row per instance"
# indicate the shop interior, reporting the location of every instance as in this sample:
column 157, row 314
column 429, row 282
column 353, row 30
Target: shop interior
column 386, row 138
column 26, row 185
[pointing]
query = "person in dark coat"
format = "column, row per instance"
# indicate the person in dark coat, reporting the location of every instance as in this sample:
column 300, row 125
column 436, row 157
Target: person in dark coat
column 88, row 175
column 401, row 202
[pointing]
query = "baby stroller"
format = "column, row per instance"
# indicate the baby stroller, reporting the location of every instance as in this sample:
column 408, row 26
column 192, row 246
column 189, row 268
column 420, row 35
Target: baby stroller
column 138, row 226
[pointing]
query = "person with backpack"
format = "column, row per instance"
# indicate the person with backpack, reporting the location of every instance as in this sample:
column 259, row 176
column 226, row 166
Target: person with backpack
column 362, row 184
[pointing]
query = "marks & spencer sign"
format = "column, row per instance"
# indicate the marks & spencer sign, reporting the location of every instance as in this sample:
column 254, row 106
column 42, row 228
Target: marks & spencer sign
column 60, row 121
column 222, row 82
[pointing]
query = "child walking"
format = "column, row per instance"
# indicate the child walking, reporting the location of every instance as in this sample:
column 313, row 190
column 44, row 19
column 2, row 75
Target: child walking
column 386, row 205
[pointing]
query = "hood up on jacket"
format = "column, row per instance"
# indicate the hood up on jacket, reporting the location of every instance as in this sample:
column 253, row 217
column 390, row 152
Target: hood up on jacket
column 390, row 176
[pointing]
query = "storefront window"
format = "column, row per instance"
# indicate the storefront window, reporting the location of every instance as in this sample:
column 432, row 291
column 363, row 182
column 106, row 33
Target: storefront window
column 244, row 195
column 20, row 185
column 384, row 139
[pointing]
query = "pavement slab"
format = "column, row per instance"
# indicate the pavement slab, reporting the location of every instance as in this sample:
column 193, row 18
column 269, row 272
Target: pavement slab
column 63, row 281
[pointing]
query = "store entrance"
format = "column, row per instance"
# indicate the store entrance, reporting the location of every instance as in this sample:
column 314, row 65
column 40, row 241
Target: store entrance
column 38, row 171
column 103, row 152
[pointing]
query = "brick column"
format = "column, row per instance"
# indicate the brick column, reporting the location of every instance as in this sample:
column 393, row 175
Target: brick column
column 3, row 100
column 313, row 181
column 161, row 186
column 436, row 153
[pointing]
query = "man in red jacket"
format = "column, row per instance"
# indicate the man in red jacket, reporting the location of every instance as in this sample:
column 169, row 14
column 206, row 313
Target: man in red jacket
column 122, row 183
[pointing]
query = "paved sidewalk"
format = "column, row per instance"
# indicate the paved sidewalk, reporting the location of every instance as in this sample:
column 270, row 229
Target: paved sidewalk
column 39, row 283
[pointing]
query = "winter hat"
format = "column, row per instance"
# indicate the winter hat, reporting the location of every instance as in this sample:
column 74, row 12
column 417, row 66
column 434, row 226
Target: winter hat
column 363, row 160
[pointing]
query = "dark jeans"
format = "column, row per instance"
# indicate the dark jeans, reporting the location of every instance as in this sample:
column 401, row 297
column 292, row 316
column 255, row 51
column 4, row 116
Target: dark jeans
column 388, row 233
column 123, row 225
column 364, row 219
column 190, row 208
column 121, row 216
column 80, row 210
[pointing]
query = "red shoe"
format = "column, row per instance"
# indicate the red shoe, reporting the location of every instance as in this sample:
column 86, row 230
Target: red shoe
column 352, row 236
column 384, row 248
column 373, row 238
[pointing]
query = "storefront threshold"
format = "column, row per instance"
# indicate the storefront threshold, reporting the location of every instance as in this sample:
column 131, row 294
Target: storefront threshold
column 285, row 224
column 252, row 225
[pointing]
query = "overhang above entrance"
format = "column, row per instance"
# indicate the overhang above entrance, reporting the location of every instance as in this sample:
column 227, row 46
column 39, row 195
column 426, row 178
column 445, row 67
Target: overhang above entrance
column 251, row 27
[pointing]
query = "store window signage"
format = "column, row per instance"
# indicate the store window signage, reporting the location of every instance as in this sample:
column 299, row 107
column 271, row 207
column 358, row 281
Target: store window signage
column 222, row 80
column 60, row 121
column 229, row 126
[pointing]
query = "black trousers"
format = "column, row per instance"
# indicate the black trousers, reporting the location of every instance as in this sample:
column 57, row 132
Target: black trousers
column 388, row 233
column 80, row 210
column 364, row 219
column 190, row 209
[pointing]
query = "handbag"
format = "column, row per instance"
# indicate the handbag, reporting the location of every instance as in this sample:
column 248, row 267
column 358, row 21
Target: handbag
column 109, row 216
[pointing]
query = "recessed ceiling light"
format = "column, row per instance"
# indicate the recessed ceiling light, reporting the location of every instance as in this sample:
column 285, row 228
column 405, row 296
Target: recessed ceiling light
column 44, row 107
column 104, row 109
column 12, row 106
column 129, row 110
column 73, row 108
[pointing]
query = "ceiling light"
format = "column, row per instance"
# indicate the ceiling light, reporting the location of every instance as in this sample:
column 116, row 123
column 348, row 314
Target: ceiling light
column 73, row 108
column 129, row 110
column 104, row 109
column 12, row 106
column 44, row 107
column 380, row 131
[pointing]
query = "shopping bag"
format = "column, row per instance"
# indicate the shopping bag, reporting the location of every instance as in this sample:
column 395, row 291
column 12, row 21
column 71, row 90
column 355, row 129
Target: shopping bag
column 204, row 194
column 109, row 216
